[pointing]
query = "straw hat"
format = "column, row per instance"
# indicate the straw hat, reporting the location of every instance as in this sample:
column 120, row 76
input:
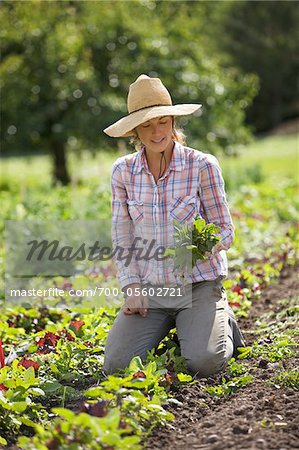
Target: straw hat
column 148, row 98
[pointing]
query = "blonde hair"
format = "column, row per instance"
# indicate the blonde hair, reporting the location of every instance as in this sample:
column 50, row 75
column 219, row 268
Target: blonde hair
column 177, row 135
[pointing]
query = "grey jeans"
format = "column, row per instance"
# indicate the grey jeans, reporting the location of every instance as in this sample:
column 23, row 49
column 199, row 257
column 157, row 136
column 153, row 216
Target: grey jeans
column 205, row 332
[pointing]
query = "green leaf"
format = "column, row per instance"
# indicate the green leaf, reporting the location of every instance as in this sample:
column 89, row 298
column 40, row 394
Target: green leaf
column 113, row 418
column 3, row 441
column 32, row 348
column 64, row 412
column 51, row 387
column 29, row 376
column 54, row 369
column 18, row 406
column 151, row 368
column 199, row 224
column 84, row 420
column 10, row 384
column 93, row 392
column 27, row 422
column 184, row 378
column 36, row 391
column 136, row 365
column 156, row 399
column 243, row 352
column 212, row 228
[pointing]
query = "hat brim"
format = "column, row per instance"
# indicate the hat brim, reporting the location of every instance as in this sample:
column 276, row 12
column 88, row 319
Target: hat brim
column 125, row 126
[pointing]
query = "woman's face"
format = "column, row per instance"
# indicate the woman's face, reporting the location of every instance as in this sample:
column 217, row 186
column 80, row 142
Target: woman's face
column 156, row 134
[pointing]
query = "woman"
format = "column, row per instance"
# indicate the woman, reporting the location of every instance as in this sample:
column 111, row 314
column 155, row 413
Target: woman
column 163, row 181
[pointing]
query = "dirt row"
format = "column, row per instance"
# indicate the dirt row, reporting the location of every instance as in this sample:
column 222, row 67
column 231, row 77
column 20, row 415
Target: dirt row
column 258, row 416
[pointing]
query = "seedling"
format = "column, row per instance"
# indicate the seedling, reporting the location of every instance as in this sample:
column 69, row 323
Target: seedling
column 192, row 242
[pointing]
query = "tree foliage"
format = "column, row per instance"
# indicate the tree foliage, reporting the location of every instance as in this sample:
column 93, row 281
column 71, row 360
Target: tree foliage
column 262, row 38
column 66, row 69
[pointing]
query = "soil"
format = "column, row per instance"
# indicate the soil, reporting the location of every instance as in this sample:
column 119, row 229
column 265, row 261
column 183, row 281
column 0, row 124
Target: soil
column 234, row 421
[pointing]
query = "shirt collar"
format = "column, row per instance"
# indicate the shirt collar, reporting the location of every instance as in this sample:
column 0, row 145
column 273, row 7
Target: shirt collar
column 177, row 161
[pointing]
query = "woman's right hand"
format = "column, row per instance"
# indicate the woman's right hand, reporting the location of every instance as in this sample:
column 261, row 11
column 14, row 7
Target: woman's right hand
column 136, row 303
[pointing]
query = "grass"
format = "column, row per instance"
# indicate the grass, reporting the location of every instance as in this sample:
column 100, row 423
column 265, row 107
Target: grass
column 273, row 158
column 36, row 170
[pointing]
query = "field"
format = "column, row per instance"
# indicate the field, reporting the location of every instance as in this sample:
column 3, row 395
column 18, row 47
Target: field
column 53, row 393
column 274, row 157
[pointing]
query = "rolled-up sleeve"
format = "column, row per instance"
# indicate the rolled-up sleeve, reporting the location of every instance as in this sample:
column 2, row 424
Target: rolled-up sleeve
column 214, row 206
column 122, row 229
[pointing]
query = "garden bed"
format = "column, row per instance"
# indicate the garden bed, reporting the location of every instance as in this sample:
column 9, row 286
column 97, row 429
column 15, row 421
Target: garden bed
column 261, row 415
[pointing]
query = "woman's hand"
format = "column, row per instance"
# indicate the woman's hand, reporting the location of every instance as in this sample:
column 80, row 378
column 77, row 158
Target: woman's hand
column 213, row 251
column 136, row 303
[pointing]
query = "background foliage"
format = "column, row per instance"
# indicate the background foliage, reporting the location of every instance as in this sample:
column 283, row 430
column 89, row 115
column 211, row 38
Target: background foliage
column 66, row 67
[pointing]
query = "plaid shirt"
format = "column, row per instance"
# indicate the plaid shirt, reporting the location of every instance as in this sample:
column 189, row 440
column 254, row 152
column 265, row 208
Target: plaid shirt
column 141, row 207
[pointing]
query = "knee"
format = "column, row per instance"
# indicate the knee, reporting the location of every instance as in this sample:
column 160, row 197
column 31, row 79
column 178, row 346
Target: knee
column 207, row 363
column 112, row 365
column 109, row 368
column 116, row 359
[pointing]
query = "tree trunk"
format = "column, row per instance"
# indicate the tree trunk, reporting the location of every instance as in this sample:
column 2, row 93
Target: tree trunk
column 60, row 171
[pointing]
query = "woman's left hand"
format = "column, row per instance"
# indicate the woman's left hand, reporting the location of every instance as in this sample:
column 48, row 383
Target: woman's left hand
column 136, row 303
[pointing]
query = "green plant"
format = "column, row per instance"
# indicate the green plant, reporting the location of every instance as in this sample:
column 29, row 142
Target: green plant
column 288, row 378
column 228, row 387
column 271, row 349
column 72, row 431
column 19, row 387
column 192, row 242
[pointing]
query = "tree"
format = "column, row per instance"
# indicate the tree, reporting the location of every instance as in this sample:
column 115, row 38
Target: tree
column 262, row 37
column 170, row 40
column 66, row 69
column 47, row 79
